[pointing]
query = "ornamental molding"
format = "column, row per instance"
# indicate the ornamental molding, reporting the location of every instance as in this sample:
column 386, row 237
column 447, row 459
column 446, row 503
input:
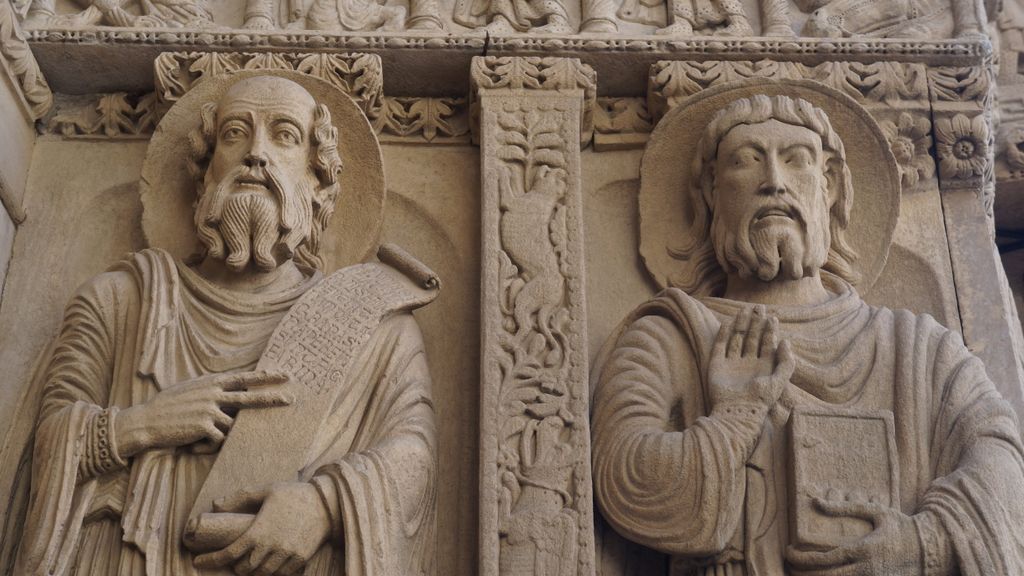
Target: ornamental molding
column 21, row 66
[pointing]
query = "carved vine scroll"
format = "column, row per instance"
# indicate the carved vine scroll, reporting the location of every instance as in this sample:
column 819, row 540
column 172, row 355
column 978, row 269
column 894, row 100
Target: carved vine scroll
column 536, row 503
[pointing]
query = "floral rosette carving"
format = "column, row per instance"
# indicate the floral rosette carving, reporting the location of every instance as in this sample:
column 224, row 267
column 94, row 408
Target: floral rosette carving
column 910, row 139
column 962, row 145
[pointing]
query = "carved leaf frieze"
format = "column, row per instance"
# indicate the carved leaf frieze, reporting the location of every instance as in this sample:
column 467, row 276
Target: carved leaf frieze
column 116, row 115
column 673, row 81
column 358, row 75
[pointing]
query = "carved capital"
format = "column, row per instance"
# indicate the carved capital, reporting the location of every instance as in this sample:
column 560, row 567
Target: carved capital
column 19, row 63
column 962, row 101
column 358, row 75
column 516, row 73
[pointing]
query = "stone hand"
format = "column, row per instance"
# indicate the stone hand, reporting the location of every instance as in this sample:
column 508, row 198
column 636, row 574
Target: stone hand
column 749, row 366
column 196, row 411
column 290, row 526
column 892, row 548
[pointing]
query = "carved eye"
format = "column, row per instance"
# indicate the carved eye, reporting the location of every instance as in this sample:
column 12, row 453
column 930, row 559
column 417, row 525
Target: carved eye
column 288, row 135
column 799, row 157
column 233, row 132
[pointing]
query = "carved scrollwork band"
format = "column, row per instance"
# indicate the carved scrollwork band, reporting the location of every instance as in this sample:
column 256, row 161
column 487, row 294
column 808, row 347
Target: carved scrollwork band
column 536, row 501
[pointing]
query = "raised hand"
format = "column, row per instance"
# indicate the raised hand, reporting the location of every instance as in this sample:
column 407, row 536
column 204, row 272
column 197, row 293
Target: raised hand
column 290, row 526
column 749, row 366
column 198, row 410
column 892, row 548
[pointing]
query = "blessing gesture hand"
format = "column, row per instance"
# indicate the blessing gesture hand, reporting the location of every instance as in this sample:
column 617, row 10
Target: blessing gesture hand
column 749, row 365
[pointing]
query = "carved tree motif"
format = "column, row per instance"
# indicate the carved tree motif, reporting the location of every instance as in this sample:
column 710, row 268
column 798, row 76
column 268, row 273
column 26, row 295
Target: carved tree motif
column 537, row 453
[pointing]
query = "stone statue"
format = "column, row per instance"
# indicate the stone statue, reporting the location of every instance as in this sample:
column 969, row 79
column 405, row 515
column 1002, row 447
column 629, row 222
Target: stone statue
column 761, row 418
column 342, row 15
column 707, row 17
column 171, row 380
column 518, row 16
column 150, row 14
column 898, row 18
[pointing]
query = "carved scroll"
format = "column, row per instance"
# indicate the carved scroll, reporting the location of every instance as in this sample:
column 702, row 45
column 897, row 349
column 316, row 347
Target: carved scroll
column 535, row 494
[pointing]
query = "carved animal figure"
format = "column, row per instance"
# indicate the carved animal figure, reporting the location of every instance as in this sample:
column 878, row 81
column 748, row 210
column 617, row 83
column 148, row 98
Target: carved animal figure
column 523, row 213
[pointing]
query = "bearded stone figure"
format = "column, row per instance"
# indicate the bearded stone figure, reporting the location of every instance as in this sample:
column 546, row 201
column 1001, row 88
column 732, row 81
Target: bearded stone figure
column 277, row 419
column 759, row 418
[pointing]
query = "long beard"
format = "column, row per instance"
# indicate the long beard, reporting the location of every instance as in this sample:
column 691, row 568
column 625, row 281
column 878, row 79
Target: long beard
column 773, row 251
column 245, row 226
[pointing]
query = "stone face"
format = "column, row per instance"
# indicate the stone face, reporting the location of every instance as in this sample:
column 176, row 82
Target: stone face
column 555, row 166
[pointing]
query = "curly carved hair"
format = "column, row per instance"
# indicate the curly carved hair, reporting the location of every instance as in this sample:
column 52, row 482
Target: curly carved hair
column 702, row 275
column 325, row 162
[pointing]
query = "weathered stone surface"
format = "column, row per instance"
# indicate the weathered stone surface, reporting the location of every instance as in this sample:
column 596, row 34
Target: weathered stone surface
column 528, row 155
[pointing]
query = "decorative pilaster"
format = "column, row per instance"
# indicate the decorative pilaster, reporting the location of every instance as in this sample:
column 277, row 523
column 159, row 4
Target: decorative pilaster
column 962, row 102
column 536, row 510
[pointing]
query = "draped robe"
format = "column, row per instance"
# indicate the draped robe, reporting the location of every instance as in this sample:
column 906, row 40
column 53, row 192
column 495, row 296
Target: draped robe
column 671, row 478
column 150, row 323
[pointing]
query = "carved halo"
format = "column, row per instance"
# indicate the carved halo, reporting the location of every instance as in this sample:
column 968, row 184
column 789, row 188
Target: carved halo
column 665, row 213
column 168, row 191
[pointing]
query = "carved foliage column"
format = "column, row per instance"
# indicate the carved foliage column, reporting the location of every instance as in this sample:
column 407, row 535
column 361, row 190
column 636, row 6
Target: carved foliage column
column 962, row 108
column 535, row 493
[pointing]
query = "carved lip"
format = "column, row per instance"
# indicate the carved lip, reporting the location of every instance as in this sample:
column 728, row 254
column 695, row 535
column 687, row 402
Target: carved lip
column 776, row 211
column 252, row 181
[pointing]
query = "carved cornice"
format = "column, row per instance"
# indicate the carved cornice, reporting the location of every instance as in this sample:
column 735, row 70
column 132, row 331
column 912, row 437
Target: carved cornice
column 510, row 73
column 123, row 55
column 21, row 65
column 891, row 48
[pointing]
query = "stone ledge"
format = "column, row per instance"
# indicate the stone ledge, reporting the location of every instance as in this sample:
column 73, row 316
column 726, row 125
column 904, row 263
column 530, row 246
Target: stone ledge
column 121, row 59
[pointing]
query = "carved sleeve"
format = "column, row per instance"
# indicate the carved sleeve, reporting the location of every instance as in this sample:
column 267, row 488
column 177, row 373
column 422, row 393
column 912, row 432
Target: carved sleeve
column 78, row 376
column 970, row 514
column 665, row 475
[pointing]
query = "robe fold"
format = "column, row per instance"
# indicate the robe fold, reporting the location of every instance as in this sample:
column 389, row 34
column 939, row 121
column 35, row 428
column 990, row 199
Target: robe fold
column 150, row 323
column 672, row 478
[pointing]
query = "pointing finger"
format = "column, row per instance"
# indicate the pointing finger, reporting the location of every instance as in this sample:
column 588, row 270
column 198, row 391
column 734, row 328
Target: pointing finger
column 255, row 399
column 245, row 380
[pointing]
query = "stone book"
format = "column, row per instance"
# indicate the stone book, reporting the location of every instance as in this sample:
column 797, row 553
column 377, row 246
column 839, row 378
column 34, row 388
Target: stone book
column 839, row 455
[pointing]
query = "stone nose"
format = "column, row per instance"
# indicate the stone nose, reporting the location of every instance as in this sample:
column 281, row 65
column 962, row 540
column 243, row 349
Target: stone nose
column 773, row 182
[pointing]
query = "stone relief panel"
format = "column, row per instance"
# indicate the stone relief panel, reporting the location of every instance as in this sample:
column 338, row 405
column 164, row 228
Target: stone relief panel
column 704, row 397
column 332, row 499
column 535, row 511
